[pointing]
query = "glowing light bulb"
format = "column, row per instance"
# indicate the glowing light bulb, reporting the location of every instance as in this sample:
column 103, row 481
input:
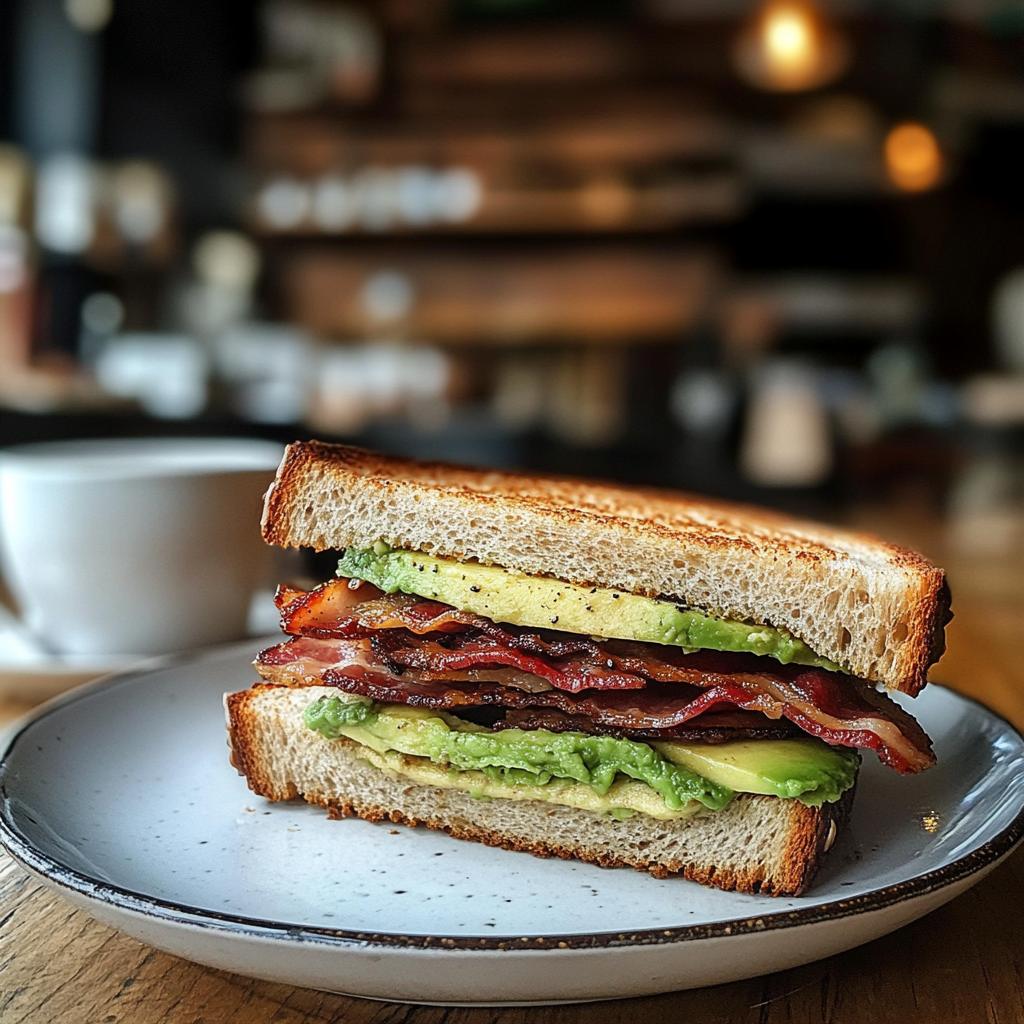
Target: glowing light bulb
column 913, row 158
column 788, row 47
column 789, row 38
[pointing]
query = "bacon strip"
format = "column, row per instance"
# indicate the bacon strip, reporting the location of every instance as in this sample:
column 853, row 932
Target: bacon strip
column 349, row 665
column 836, row 709
column 814, row 699
column 336, row 610
column 709, row 727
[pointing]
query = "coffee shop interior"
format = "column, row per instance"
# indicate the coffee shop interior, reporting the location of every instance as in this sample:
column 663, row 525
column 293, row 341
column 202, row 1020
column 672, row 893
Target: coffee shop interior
column 766, row 250
column 770, row 251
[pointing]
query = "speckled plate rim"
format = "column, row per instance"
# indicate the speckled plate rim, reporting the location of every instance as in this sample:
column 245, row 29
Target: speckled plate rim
column 58, row 875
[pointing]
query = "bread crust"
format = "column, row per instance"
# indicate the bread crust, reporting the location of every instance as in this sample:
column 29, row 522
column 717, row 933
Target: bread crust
column 282, row 760
column 872, row 607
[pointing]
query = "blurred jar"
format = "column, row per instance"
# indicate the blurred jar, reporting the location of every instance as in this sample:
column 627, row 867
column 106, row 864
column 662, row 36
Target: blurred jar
column 787, row 436
column 1008, row 321
column 268, row 369
column 166, row 373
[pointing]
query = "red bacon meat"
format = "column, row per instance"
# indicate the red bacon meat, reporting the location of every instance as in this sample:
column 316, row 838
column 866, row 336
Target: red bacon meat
column 403, row 649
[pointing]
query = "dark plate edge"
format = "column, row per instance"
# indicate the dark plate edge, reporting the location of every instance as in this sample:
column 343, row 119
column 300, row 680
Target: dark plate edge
column 61, row 877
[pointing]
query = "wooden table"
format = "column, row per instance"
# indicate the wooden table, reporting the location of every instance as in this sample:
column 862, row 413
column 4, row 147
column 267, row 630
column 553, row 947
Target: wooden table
column 963, row 963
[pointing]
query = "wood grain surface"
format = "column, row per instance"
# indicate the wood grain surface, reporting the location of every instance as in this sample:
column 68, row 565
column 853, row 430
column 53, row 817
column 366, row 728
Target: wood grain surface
column 963, row 964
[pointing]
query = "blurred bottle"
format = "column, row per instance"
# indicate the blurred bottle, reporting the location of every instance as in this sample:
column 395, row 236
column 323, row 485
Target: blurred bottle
column 587, row 398
column 986, row 504
column 57, row 77
column 578, row 393
column 386, row 300
column 166, row 373
column 315, row 51
column 787, row 439
column 16, row 271
column 519, row 395
column 220, row 295
column 139, row 202
column 898, row 373
column 1008, row 321
column 66, row 207
column 268, row 369
column 357, row 384
column 986, row 501
column 102, row 318
column 703, row 402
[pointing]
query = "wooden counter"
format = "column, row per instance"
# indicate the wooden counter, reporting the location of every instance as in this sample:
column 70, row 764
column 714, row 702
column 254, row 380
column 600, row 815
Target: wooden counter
column 964, row 963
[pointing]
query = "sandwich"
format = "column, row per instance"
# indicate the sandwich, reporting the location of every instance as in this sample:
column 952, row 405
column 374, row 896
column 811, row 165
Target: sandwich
column 629, row 677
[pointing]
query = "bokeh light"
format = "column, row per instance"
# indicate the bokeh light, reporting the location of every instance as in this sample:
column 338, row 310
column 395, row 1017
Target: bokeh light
column 789, row 47
column 913, row 158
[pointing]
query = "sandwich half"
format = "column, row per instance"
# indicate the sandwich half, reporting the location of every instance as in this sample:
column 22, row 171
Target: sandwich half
column 582, row 670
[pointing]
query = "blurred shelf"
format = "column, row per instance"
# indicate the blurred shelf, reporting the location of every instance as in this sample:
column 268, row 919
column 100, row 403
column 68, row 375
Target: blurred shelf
column 610, row 294
column 312, row 144
column 603, row 205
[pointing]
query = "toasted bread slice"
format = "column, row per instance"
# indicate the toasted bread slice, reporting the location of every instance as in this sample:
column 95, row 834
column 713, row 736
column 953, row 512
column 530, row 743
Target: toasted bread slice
column 873, row 608
column 756, row 844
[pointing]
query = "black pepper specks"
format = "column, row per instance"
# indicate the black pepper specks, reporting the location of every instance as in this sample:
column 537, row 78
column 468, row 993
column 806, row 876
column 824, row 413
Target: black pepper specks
column 474, row 589
column 554, row 619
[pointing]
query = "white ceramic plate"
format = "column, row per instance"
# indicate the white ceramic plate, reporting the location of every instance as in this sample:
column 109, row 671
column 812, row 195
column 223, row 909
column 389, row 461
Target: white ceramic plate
column 120, row 796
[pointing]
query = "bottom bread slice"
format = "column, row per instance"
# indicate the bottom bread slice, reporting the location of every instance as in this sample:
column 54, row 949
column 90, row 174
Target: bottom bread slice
column 756, row 844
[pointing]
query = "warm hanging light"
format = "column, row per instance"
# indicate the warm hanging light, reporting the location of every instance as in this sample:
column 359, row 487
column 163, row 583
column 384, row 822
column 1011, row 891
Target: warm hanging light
column 913, row 157
column 790, row 47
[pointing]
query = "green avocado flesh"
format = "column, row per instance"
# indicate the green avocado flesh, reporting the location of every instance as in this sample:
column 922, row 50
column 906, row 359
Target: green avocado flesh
column 539, row 601
column 535, row 762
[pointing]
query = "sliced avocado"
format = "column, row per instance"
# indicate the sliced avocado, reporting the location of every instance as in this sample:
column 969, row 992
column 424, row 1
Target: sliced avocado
column 805, row 768
column 678, row 773
column 514, row 757
column 539, row 601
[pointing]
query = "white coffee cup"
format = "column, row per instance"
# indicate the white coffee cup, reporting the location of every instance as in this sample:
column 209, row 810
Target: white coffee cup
column 140, row 546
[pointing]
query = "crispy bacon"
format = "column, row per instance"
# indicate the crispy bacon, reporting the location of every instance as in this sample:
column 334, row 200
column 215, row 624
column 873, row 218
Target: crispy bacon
column 710, row 727
column 349, row 665
column 337, row 610
column 839, row 710
column 400, row 650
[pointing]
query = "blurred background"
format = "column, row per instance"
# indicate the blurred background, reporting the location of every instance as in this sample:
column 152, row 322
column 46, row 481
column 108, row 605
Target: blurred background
column 768, row 250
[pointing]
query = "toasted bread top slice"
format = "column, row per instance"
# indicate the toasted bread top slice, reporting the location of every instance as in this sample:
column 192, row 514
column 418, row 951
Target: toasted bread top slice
column 876, row 609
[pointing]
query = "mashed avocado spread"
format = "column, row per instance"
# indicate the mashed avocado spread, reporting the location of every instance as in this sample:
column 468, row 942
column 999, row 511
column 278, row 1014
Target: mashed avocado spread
column 539, row 601
column 617, row 776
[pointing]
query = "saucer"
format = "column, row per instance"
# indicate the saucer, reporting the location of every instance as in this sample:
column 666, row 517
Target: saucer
column 30, row 674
